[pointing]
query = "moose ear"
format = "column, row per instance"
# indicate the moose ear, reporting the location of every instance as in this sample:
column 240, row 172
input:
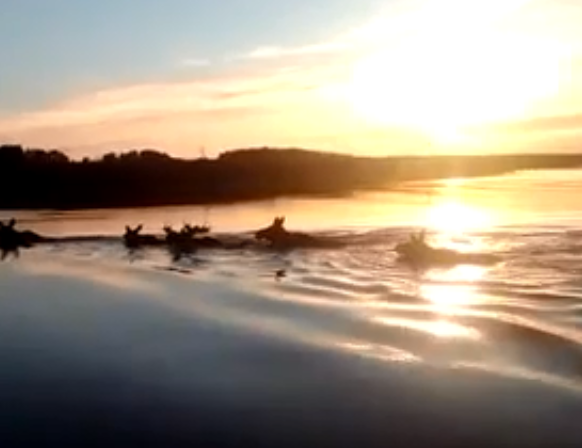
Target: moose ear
column 138, row 228
column 12, row 223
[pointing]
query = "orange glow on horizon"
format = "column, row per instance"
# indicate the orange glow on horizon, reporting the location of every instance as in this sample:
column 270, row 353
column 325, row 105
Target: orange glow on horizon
column 462, row 76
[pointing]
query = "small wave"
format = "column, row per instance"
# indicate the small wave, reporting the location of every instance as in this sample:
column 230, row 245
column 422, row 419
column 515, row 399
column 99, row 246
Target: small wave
column 525, row 312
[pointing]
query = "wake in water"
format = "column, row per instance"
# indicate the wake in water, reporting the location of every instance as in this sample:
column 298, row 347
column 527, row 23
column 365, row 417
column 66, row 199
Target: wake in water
column 415, row 252
column 418, row 253
column 524, row 312
column 315, row 338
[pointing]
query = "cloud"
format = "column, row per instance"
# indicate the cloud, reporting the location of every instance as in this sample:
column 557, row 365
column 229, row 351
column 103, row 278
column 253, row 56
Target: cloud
column 194, row 62
column 242, row 107
column 293, row 95
column 152, row 99
column 542, row 124
column 273, row 52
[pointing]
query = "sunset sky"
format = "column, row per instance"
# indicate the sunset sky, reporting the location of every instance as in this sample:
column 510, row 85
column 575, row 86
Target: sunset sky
column 359, row 76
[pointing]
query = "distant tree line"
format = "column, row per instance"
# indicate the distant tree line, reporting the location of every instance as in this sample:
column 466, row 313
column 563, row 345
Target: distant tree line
column 37, row 178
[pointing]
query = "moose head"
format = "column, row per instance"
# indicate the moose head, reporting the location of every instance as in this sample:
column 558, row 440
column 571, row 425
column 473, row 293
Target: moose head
column 272, row 232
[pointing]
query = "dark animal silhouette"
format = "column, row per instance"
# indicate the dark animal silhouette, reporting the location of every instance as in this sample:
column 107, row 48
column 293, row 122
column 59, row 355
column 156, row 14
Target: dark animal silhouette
column 419, row 254
column 179, row 239
column 187, row 239
column 191, row 233
column 133, row 239
column 11, row 240
column 178, row 244
column 280, row 238
column 9, row 235
column 189, row 230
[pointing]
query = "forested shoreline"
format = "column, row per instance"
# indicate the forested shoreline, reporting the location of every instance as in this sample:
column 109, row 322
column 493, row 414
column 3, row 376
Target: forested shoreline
column 37, row 178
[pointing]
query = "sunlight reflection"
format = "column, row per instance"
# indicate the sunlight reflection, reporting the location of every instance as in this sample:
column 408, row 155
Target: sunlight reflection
column 113, row 276
column 455, row 211
column 448, row 297
column 385, row 353
column 455, row 217
column 463, row 273
column 438, row 328
column 523, row 373
column 460, row 292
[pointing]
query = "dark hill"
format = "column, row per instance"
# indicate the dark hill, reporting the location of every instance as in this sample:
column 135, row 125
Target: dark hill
column 49, row 179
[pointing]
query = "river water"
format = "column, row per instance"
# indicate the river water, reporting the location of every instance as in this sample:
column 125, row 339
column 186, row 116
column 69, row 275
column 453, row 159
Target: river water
column 505, row 340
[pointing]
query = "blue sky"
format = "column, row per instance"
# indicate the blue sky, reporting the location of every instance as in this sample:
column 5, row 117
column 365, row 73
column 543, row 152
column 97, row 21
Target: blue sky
column 358, row 76
column 60, row 47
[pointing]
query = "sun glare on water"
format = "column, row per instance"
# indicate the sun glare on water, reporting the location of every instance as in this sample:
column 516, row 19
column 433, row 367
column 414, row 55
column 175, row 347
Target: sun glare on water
column 455, row 217
column 451, row 75
column 438, row 328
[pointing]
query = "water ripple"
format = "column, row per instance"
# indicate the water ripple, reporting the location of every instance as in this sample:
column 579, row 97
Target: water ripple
column 521, row 317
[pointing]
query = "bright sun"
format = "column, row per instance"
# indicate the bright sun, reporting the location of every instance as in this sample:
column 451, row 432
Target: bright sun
column 440, row 82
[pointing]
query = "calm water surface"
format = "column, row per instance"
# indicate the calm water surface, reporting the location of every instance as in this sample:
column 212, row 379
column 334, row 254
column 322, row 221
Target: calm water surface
column 505, row 340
